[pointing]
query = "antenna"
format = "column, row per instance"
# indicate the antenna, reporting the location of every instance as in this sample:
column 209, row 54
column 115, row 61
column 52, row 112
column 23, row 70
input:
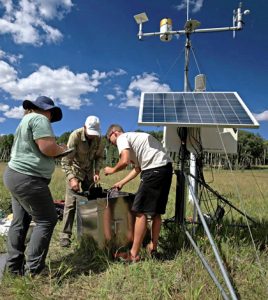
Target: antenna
column 237, row 18
column 187, row 10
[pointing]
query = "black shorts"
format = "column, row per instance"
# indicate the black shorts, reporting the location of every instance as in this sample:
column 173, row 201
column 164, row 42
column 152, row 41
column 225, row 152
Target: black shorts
column 152, row 195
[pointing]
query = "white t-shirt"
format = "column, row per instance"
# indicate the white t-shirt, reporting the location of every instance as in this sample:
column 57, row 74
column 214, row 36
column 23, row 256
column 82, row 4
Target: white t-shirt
column 146, row 151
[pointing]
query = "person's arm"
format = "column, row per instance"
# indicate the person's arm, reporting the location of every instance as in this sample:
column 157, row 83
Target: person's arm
column 98, row 161
column 49, row 147
column 43, row 136
column 131, row 175
column 123, row 162
column 67, row 161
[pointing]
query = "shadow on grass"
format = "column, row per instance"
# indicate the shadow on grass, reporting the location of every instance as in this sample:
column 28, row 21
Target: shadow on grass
column 85, row 259
column 174, row 239
column 226, row 233
column 239, row 233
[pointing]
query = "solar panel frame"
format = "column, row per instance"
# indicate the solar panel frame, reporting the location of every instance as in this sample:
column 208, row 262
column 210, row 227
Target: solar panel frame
column 195, row 109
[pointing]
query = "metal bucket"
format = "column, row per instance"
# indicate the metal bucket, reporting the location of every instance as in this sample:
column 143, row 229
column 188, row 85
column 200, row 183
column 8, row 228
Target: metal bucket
column 106, row 219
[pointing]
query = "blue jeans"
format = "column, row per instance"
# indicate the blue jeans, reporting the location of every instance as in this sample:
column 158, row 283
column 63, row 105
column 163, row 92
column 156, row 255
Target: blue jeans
column 31, row 200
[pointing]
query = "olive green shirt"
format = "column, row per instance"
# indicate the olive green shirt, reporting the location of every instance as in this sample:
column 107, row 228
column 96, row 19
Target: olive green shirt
column 26, row 158
column 86, row 159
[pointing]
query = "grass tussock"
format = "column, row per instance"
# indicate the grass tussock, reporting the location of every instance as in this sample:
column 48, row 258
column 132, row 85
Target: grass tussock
column 85, row 272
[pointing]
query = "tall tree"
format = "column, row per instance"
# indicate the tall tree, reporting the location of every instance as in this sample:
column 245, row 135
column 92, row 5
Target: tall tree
column 63, row 139
column 6, row 142
column 250, row 147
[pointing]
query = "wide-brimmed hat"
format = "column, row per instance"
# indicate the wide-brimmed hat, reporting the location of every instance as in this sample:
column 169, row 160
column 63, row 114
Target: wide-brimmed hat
column 44, row 103
column 92, row 126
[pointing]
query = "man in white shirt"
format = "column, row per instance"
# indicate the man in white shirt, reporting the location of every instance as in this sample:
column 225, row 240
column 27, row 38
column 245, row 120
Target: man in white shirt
column 151, row 160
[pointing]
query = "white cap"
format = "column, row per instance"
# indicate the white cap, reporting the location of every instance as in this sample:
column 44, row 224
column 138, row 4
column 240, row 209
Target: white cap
column 92, row 125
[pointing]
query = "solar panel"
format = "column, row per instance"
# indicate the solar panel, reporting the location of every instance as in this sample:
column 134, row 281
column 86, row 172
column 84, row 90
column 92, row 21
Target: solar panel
column 195, row 109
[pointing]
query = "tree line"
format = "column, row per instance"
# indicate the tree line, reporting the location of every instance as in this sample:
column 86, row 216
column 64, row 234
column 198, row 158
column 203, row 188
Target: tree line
column 252, row 150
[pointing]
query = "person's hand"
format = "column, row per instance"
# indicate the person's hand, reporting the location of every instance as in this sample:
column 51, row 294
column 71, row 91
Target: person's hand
column 96, row 178
column 108, row 171
column 63, row 147
column 74, row 184
column 118, row 185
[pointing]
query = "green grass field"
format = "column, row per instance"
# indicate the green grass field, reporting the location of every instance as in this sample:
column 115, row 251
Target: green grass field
column 84, row 272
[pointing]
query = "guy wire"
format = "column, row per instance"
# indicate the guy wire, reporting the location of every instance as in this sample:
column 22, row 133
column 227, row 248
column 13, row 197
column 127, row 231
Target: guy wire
column 236, row 186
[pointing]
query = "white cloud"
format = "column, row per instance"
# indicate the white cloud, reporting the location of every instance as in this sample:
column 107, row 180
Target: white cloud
column 15, row 113
column 142, row 83
column 194, row 5
column 104, row 75
column 2, row 120
column 51, row 9
column 61, row 84
column 147, row 83
column 262, row 116
column 7, row 4
column 3, row 107
column 8, row 73
column 87, row 102
column 26, row 20
column 110, row 97
column 67, row 88
column 97, row 75
column 118, row 90
column 12, row 58
column 52, row 35
column 119, row 72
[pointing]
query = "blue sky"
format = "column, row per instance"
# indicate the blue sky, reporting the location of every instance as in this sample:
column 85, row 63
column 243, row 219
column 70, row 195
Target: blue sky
column 85, row 55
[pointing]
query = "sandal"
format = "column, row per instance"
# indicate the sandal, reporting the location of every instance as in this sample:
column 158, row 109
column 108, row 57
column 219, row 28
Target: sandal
column 152, row 252
column 127, row 257
column 119, row 255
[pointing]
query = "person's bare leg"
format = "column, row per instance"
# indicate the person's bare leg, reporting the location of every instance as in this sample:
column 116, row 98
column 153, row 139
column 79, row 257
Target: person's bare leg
column 139, row 233
column 131, row 225
column 156, row 226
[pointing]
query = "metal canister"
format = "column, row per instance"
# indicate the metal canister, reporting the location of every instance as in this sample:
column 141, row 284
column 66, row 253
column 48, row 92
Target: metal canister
column 108, row 219
column 165, row 26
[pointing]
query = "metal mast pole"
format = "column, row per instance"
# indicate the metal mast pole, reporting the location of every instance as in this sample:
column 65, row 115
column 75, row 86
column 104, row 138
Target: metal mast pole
column 180, row 184
column 186, row 64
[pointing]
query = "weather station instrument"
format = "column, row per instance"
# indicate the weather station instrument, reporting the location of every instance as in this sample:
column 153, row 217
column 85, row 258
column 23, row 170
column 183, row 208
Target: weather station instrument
column 196, row 121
